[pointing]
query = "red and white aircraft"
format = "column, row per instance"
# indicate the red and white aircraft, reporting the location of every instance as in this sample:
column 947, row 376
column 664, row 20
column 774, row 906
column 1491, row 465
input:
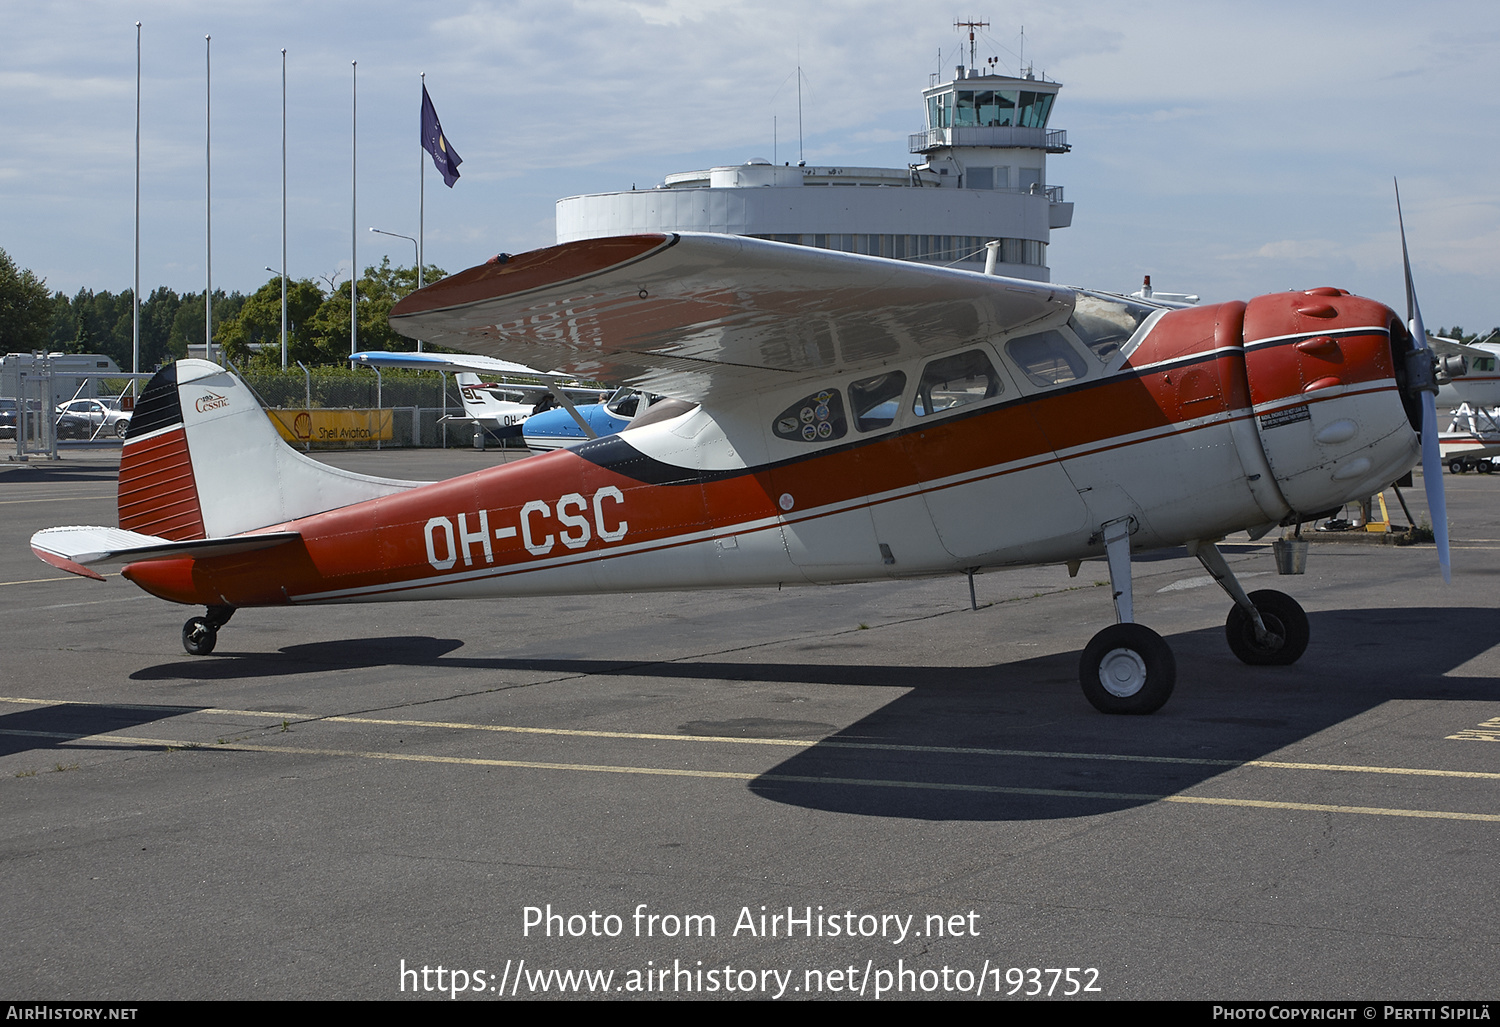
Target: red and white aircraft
column 841, row 418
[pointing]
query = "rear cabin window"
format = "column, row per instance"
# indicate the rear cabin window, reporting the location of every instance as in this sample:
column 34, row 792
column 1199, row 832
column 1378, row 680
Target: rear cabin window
column 956, row 381
column 874, row 401
column 1047, row 358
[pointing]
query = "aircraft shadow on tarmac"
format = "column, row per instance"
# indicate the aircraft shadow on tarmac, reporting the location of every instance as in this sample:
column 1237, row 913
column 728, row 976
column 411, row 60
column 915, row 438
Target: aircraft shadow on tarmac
column 908, row 758
column 45, row 472
column 59, row 726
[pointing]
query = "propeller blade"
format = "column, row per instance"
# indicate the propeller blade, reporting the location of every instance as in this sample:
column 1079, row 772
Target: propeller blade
column 1432, row 481
column 1432, row 459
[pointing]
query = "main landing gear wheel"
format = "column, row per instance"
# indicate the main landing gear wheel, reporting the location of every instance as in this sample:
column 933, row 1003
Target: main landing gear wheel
column 1286, row 627
column 1455, row 467
column 199, row 636
column 1127, row 668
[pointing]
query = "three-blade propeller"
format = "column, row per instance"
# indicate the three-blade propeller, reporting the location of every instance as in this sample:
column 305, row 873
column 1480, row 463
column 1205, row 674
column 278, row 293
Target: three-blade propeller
column 1421, row 375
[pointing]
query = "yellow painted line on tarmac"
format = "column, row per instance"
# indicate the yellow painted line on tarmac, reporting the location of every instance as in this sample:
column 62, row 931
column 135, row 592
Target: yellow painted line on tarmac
column 803, row 743
column 1489, row 731
column 52, row 499
column 1321, row 807
column 799, row 743
column 66, row 577
column 730, row 775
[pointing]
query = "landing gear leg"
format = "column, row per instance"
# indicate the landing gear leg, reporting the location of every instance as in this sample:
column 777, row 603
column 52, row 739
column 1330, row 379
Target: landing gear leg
column 1265, row 628
column 1127, row 667
column 201, row 634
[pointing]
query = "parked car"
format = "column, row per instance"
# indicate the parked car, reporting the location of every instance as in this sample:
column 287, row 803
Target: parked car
column 96, row 412
column 74, row 426
column 7, row 418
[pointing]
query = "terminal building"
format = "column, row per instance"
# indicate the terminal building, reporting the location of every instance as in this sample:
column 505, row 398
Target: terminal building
column 982, row 176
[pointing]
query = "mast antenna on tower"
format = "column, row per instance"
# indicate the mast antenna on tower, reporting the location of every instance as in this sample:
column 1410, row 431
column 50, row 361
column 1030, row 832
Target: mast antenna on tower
column 971, row 26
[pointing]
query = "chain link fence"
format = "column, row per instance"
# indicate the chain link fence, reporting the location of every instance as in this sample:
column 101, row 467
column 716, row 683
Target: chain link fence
column 418, row 402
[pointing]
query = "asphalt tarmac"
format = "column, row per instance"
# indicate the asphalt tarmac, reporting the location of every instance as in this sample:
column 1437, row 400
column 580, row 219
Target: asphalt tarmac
column 859, row 791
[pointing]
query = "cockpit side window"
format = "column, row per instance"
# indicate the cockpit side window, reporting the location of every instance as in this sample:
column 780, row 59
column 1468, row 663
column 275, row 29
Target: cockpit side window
column 1047, row 358
column 956, row 381
column 624, row 403
column 874, row 401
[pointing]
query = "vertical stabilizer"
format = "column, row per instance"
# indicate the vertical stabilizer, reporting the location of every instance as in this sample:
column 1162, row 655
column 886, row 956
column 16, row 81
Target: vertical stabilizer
column 202, row 460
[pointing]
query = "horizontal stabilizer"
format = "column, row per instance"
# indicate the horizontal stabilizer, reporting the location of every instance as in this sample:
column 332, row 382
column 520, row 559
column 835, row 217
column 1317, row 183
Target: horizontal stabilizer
column 70, row 549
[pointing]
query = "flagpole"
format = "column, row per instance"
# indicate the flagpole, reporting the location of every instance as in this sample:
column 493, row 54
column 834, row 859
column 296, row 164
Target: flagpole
column 353, row 198
column 135, row 344
column 283, row 208
column 208, row 200
column 422, row 203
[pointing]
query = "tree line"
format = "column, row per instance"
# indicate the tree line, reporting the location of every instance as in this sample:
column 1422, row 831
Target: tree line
column 248, row 328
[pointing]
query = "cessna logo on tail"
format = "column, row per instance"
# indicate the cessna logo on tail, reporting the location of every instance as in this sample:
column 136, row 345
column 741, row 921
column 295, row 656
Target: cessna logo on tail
column 210, row 401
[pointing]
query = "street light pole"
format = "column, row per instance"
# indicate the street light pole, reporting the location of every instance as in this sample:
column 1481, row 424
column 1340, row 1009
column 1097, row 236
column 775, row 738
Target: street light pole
column 282, row 275
column 283, row 208
column 208, row 200
column 353, row 206
column 135, row 316
column 416, row 253
column 398, row 235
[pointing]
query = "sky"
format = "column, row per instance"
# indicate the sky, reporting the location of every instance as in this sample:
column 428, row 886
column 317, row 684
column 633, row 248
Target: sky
column 1226, row 149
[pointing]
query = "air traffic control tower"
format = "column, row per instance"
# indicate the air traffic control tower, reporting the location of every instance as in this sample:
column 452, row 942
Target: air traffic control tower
column 983, row 176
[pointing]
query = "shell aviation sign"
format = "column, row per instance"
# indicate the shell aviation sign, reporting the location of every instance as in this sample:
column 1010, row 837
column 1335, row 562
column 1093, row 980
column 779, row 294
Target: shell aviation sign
column 352, row 426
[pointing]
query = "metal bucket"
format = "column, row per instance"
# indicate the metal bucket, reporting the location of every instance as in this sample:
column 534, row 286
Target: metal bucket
column 1291, row 555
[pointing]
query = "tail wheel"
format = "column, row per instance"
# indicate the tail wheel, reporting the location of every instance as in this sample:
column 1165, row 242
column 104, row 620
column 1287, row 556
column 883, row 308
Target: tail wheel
column 1127, row 668
column 1286, row 627
column 199, row 636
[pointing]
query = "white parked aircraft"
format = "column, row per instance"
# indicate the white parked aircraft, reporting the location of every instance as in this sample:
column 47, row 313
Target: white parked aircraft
column 497, row 407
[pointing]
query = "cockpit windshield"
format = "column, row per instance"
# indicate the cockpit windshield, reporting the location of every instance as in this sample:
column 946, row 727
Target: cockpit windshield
column 627, row 402
column 1105, row 323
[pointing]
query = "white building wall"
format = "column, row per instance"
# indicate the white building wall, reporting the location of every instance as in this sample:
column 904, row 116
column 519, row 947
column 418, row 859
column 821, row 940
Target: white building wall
column 810, row 209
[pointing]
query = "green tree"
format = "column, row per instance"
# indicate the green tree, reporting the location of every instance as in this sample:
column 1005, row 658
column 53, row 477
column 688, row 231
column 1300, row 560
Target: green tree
column 25, row 308
column 380, row 288
column 158, row 312
column 253, row 335
column 63, row 324
column 187, row 323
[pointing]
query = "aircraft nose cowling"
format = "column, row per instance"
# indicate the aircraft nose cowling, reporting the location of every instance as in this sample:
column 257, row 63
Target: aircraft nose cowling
column 1325, row 371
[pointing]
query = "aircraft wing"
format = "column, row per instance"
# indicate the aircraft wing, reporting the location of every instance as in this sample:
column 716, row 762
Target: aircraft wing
column 690, row 315
column 1452, row 347
column 69, row 549
column 444, row 362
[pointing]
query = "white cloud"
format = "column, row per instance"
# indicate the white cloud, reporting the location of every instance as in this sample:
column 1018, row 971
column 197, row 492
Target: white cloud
column 1232, row 147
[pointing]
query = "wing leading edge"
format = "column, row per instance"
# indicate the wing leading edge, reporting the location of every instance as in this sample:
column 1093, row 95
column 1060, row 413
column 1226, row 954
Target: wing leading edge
column 692, row 315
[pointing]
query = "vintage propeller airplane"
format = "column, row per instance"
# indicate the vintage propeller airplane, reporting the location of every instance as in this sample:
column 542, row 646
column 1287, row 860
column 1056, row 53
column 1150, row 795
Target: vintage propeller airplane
column 833, row 418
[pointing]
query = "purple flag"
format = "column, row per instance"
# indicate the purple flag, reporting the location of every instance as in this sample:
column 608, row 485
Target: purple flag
column 445, row 157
